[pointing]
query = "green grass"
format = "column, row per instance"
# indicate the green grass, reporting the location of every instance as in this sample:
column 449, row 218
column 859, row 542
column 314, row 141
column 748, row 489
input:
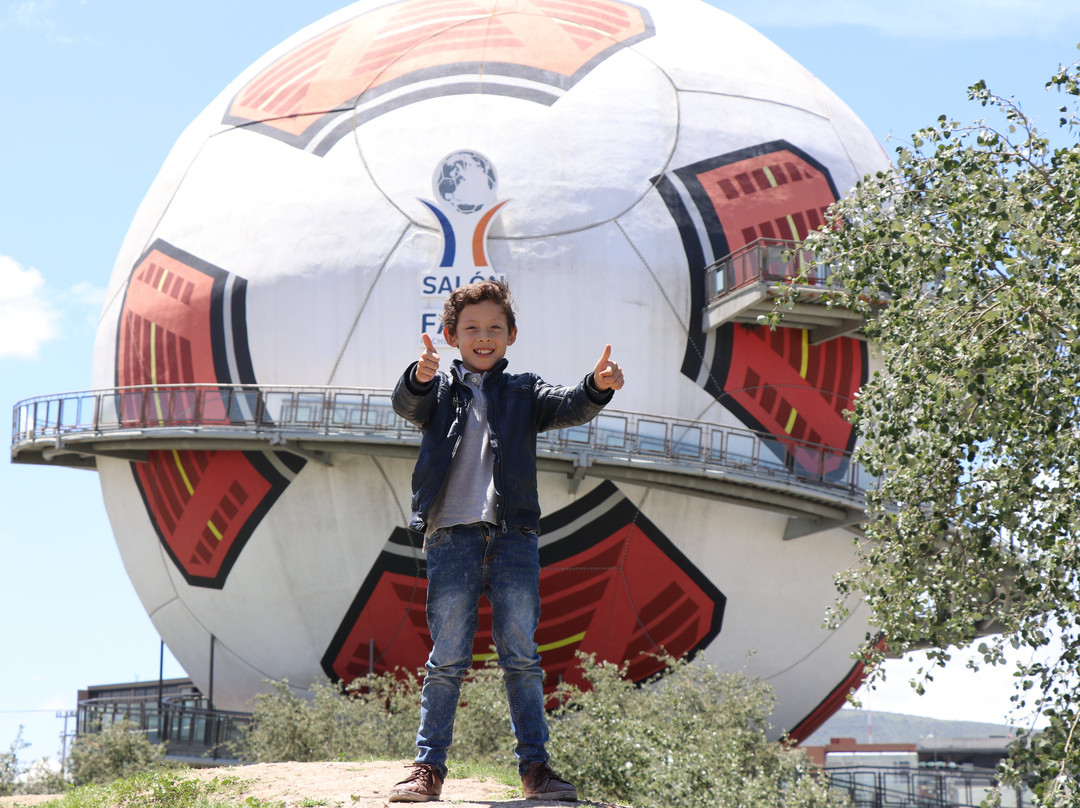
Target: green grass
column 168, row 789
column 486, row 771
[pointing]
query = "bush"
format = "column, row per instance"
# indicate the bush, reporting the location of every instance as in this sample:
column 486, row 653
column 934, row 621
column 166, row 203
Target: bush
column 42, row 776
column 691, row 737
column 378, row 718
column 118, row 750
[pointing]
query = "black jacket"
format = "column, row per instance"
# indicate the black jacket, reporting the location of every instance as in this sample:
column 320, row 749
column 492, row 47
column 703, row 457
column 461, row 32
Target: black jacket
column 520, row 406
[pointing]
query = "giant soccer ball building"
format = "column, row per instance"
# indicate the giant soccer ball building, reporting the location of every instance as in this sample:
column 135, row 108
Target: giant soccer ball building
column 600, row 155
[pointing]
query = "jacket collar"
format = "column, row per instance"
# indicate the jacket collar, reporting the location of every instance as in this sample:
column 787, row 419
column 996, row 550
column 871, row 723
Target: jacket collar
column 493, row 374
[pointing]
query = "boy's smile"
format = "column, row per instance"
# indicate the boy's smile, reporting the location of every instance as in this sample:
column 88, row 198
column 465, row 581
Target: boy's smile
column 482, row 335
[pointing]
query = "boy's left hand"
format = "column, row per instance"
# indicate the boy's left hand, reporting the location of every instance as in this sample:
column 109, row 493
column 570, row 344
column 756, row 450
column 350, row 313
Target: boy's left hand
column 607, row 375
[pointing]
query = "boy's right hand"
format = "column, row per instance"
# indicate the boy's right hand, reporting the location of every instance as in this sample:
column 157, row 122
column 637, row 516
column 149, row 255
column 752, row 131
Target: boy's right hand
column 428, row 364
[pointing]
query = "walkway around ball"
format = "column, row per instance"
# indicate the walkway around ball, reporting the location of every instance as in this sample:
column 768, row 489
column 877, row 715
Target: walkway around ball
column 818, row 487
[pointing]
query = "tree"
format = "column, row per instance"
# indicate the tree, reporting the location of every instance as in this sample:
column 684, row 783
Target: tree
column 965, row 260
column 9, row 765
column 40, row 776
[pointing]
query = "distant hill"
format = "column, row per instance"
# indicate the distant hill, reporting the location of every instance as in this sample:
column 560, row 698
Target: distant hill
column 898, row 728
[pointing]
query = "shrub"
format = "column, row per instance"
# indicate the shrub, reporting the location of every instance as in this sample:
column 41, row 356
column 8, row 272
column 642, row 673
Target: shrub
column 42, row 776
column 118, row 750
column 377, row 718
column 691, row 737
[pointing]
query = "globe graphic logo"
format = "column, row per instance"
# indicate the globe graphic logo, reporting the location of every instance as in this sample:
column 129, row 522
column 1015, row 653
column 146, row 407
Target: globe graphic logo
column 466, row 180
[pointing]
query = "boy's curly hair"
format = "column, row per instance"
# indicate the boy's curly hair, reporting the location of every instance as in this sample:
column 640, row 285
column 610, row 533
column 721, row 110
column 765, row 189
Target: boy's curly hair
column 494, row 290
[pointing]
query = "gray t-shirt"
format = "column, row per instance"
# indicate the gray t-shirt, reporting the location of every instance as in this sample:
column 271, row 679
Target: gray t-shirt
column 468, row 495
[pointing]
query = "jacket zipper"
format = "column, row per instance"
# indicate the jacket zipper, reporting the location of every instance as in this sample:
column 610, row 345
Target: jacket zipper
column 459, row 396
column 497, row 472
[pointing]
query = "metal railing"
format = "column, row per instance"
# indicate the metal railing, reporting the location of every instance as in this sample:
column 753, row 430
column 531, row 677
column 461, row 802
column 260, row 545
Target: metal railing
column 762, row 260
column 362, row 415
column 189, row 729
column 905, row 787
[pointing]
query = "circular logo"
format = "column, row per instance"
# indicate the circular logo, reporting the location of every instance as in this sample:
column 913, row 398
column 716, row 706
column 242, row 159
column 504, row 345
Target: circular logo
column 466, row 181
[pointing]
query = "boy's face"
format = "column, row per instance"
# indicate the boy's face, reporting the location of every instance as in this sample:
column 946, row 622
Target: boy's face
column 482, row 335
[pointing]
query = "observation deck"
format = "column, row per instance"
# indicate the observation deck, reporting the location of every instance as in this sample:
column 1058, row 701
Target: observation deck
column 744, row 285
column 817, row 487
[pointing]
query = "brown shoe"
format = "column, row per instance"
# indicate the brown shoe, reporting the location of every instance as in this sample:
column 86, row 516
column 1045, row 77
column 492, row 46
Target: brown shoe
column 541, row 783
column 423, row 785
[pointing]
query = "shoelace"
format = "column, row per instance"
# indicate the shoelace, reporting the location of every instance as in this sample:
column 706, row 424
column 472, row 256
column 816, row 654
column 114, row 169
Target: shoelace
column 425, row 775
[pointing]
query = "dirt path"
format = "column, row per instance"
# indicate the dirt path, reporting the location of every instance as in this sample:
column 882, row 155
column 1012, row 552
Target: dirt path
column 347, row 785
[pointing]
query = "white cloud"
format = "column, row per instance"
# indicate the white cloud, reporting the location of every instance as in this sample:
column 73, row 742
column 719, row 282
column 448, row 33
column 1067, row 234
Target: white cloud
column 33, row 13
column 38, row 15
column 86, row 294
column 930, row 19
column 28, row 318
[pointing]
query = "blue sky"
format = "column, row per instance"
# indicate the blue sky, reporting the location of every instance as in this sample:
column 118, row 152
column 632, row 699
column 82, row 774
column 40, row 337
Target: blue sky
column 95, row 92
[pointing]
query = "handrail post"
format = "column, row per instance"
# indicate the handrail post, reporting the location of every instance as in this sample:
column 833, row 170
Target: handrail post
column 259, row 410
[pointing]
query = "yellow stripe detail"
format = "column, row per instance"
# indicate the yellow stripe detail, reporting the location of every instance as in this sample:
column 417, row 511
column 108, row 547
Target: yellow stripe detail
column 794, row 229
column 803, row 368
column 551, row 646
column 161, row 283
column 214, row 530
column 769, row 175
column 540, row 649
column 791, row 421
column 183, row 474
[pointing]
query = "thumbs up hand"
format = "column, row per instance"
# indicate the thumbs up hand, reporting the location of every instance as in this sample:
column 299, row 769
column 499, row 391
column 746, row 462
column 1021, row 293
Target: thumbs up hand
column 607, row 375
column 429, row 362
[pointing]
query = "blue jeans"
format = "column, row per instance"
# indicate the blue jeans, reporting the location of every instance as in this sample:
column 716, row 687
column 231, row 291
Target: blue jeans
column 464, row 562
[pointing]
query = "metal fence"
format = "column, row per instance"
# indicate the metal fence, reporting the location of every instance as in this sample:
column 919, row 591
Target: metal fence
column 762, row 260
column 904, row 787
column 184, row 723
column 365, row 415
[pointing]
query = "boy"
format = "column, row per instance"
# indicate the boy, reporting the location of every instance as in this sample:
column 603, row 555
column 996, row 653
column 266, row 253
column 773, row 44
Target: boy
column 475, row 500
